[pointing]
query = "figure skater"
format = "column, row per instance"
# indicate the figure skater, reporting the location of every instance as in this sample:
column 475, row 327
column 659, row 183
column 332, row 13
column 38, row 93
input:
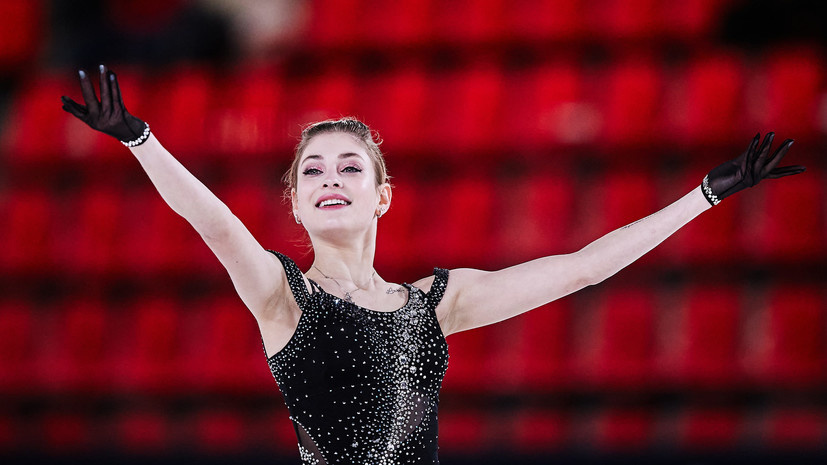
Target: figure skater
column 360, row 360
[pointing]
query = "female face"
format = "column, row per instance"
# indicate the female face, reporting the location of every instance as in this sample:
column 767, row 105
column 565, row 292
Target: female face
column 336, row 187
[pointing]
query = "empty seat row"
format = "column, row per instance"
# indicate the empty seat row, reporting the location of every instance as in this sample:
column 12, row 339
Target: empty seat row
column 708, row 337
column 638, row 103
column 104, row 229
column 151, row 431
column 375, row 24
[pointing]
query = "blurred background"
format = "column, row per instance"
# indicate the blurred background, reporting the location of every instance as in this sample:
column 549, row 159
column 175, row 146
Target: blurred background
column 513, row 129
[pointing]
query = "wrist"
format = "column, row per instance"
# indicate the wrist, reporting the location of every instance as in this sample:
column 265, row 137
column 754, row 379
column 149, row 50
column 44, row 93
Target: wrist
column 708, row 194
column 140, row 139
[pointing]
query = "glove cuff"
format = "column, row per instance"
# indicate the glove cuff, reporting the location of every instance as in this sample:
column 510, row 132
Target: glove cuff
column 140, row 140
column 705, row 189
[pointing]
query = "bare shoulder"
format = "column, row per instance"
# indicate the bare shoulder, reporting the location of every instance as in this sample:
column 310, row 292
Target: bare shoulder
column 458, row 279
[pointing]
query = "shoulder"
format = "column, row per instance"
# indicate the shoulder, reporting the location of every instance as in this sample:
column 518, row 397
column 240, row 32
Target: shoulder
column 455, row 281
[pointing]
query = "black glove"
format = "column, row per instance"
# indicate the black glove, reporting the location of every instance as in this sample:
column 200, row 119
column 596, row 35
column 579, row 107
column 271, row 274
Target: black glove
column 748, row 169
column 108, row 116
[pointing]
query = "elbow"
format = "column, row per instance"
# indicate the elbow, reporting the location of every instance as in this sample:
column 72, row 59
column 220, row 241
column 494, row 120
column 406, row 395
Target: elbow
column 217, row 228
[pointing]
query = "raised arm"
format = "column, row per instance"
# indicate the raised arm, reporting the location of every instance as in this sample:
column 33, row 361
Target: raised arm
column 476, row 298
column 256, row 274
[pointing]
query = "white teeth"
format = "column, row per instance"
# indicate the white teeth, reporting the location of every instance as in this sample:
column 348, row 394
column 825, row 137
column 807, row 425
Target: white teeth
column 329, row 202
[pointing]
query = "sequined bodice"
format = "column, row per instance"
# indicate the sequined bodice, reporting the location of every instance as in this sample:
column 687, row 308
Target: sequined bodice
column 362, row 386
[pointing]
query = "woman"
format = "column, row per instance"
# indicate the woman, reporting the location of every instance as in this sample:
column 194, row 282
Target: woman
column 359, row 360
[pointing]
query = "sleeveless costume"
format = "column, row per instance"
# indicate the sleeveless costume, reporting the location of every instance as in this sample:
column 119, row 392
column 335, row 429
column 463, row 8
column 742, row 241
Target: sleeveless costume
column 362, row 386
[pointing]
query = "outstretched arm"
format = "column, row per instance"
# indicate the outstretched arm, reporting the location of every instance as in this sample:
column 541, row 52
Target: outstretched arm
column 476, row 298
column 256, row 274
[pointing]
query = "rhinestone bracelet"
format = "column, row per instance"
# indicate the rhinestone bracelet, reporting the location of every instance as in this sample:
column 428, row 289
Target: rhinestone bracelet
column 140, row 140
column 708, row 194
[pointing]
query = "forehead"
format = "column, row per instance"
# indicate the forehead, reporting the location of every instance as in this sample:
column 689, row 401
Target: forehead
column 333, row 144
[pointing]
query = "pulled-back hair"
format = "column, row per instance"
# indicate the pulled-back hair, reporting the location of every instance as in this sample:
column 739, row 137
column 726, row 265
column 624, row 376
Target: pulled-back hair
column 348, row 125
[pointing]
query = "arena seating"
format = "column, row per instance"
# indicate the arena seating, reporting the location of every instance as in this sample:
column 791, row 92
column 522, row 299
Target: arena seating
column 512, row 130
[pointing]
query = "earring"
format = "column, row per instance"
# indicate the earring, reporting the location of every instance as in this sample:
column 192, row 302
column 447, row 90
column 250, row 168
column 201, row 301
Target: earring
column 296, row 216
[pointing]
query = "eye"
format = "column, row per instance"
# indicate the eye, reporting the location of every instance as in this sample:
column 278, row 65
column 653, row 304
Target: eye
column 352, row 169
column 311, row 171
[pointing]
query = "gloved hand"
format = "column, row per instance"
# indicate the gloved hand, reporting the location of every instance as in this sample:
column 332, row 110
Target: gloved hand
column 748, row 169
column 109, row 114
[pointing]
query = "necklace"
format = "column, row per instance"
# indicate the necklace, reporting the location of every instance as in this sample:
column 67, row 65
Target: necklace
column 348, row 297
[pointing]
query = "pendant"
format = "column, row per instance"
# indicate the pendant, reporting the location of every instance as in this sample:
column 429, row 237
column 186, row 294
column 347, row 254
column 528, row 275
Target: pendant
column 348, row 298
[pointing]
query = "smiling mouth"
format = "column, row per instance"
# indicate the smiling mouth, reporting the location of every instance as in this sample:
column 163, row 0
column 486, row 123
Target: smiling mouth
column 332, row 202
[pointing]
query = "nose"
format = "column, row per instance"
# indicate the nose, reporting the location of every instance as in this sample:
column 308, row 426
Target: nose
column 332, row 181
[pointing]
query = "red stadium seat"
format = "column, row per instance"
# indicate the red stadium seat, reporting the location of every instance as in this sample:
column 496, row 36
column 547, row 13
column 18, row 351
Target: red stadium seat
column 183, row 98
column 547, row 106
column 83, row 356
column 707, row 103
column 539, row 20
column 791, row 81
column 471, row 360
column 220, row 431
column 397, row 108
column 707, row 429
column 692, row 19
column 331, row 23
column 17, row 346
column 332, row 94
column 156, row 236
column 91, row 242
column 798, row 429
column 144, row 432
column 155, row 359
column 536, row 432
column 705, row 351
column 536, row 217
column 459, row 220
column 385, row 24
column 11, row 439
column 790, row 226
column 460, row 432
column 469, row 104
column 21, row 32
column 38, row 120
column 791, row 343
column 616, row 20
column 631, row 101
column 543, row 348
column 468, row 21
column 396, row 230
column 228, row 354
column 622, row 430
column 249, row 117
column 63, row 432
column 619, row 351
column 28, row 231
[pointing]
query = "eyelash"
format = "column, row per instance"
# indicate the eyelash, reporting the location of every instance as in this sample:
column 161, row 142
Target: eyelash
column 310, row 171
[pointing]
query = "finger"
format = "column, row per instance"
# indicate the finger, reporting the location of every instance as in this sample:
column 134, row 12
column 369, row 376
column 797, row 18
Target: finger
column 786, row 171
column 761, row 155
column 74, row 108
column 89, row 97
column 115, row 89
column 776, row 157
column 106, row 96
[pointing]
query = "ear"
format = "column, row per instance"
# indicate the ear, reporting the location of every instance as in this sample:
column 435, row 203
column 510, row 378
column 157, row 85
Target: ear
column 385, row 195
column 294, row 201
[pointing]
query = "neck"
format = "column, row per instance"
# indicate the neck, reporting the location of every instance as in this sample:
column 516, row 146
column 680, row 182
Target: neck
column 350, row 263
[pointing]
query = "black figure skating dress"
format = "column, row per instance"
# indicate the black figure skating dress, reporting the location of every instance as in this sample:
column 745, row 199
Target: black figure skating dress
column 362, row 386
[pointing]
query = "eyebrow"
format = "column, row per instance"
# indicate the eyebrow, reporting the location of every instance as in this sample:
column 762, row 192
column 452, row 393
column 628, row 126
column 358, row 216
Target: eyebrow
column 341, row 156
